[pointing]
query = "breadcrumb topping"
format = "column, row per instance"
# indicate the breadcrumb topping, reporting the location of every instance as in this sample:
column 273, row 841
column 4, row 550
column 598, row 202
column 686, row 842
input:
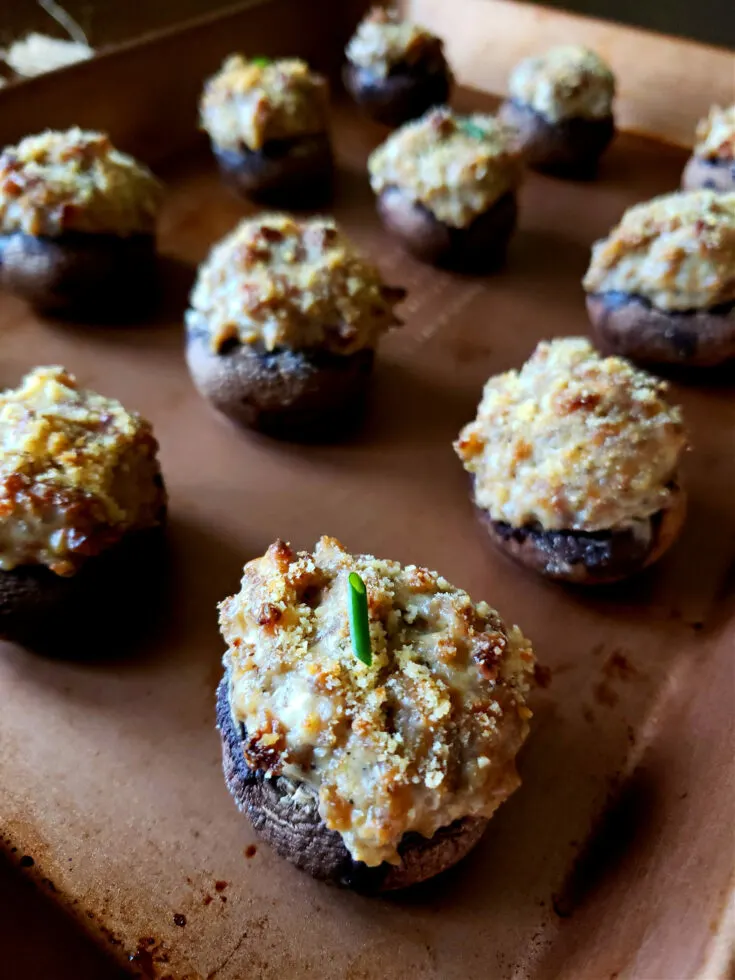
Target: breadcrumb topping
column 573, row 441
column 77, row 471
column 278, row 282
column 75, row 181
column 677, row 251
column 716, row 135
column 426, row 735
column 565, row 82
column 248, row 103
column 384, row 40
column 456, row 166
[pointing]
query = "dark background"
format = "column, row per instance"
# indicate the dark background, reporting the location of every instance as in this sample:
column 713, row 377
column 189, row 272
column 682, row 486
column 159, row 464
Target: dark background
column 712, row 21
column 108, row 21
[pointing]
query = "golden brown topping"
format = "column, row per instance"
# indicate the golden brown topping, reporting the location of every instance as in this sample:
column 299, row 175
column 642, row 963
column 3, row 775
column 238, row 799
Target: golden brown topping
column 564, row 83
column 75, row 181
column 280, row 282
column 76, row 473
column 677, row 251
column 383, row 40
column 716, row 135
column 456, row 166
column 248, row 103
column 424, row 736
column 573, row 441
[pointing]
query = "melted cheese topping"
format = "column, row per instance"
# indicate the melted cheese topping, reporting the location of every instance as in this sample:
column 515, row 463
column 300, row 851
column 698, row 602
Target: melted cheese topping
column 426, row 735
column 77, row 471
column 248, row 103
column 383, row 40
column 278, row 282
column 716, row 135
column 564, row 83
column 677, row 251
column 75, row 181
column 456, row 166
column 573, row 441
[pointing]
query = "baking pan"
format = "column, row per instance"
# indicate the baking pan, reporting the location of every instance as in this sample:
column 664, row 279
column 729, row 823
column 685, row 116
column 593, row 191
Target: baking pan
column 615, row 858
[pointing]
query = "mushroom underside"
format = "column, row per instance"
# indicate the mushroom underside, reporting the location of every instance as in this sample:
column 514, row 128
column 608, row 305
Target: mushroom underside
column 590, row 558
column 81, row 275
column 405, row 93
column 298, row 171
column 568, row 148
column 632, row 327
column 285, row 814
column 303, row 395
column 479, row 246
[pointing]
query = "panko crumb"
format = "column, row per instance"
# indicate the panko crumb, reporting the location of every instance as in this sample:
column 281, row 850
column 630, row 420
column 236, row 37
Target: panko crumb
column 77, row 472
column 424, row 736
column 76, row 180
column 566, row 82
column 573, row 441
column 279, row 282
column 677, row 251
column 716, row 135
column 384, row 39
column 456, row 166
column 249, row 102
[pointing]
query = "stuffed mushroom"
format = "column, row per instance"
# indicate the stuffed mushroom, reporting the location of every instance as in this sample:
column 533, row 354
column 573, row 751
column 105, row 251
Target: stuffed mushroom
column 374, row 776
column 284, row 321
column 712, row 163
column 660, row 288
column 575, row 464
column 82, row 504
column 446, row 187
column 77, row 225
column 395, row 69
column 268, row 125
column 561, row 104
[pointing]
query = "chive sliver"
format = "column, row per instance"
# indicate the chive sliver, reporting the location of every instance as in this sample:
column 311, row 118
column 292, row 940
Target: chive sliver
column 359, row 620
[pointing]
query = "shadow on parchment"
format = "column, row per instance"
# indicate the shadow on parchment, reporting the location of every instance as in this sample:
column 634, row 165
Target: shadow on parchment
column 164, row 314
column 38, row 939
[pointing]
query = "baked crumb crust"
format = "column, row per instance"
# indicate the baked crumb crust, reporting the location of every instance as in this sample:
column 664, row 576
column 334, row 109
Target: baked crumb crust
column 75, row 180
column 383, row 40
column 249, row 102
column 564, row 82
column 573, row 441
column 456, row 166
column 77, row 472
column 279, row 282
column 716, row 135
column 677, row 251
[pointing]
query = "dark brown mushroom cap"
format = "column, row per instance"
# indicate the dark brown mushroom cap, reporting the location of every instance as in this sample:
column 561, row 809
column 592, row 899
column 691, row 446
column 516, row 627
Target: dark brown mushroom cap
column 405, row 93
column 480, row 246
column 304, row 395
column 634, row 328
column 286, row 816
column 297, row 171
column 81, row 274
column 590, row 558
column 568, row 148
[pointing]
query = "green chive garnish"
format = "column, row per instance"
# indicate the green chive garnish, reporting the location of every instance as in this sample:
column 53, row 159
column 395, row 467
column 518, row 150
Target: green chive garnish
column 261, row 62
column 473, row 130
column 359, row 622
